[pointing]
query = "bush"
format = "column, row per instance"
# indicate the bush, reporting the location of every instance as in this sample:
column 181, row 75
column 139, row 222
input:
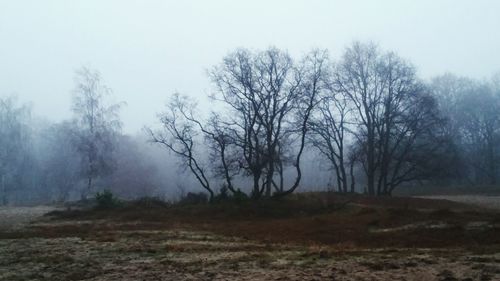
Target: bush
column 106, row 200
column 240, row 196
column 194, row 198
column 224, row 195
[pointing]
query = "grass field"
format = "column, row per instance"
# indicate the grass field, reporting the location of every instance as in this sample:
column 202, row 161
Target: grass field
column 305, row 237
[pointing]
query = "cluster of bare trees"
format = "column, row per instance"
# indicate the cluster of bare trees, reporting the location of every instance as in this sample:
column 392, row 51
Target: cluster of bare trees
column 366, row 116
column 265, row 102
column 366, row 112
column 376, row 106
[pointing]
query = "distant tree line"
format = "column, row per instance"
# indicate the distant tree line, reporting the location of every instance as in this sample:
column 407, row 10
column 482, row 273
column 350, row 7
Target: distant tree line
column 366, row 116
column 472, row 111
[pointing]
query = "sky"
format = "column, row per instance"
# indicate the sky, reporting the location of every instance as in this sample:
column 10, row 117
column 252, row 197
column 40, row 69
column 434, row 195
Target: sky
column 147, row 50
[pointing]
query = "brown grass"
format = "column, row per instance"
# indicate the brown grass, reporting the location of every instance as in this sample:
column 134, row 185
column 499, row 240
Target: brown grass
column 304, row 237
column 310, row 218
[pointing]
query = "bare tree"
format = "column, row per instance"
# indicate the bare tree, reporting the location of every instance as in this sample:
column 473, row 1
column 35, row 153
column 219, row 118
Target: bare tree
column 254, row 88
column 179, row 134
column 222, row 151
column 356, row 77
column 96, row 125
column 312, row 71
column 269, row 100
column 397, row 120
column 330, row 128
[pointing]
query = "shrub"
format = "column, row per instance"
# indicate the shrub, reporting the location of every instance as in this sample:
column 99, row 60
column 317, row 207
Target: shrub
column 106, row 200
column 194, row 198
column 240, row 196
column 225, row 196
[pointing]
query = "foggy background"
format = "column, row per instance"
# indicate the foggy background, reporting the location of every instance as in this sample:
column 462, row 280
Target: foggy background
column 145, row 50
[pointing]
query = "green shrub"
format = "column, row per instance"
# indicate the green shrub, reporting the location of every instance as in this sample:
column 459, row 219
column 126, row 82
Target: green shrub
column 106, row 200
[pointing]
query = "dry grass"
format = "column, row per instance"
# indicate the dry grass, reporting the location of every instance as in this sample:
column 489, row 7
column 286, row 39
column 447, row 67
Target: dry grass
column 315, row 237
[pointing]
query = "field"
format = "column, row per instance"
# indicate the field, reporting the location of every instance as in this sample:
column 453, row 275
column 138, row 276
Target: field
column 305, row 237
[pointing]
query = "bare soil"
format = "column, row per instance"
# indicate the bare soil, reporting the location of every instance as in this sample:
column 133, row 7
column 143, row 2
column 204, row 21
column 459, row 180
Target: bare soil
column 317, row 237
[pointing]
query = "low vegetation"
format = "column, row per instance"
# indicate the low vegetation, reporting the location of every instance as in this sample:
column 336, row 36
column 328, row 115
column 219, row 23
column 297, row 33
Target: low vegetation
column 323, row 236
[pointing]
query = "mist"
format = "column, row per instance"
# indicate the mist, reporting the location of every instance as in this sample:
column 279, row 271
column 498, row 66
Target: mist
column 144, row 53
column 249, row 140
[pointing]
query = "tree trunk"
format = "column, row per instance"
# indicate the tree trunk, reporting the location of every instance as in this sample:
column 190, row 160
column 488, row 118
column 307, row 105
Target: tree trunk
column 344, row 176
column 256, row 187
column 353, row 180
column 269, row 180
column 371, row 164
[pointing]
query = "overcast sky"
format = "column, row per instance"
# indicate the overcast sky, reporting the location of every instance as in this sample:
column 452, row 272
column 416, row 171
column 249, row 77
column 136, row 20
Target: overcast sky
column 145, row 50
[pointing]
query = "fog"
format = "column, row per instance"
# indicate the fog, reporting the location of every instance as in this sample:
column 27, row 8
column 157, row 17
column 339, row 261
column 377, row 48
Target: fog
column 134, row 55
column 147, row 50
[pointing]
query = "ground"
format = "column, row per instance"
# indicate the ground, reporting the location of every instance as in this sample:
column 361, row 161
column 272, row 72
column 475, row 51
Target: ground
column 306, row 237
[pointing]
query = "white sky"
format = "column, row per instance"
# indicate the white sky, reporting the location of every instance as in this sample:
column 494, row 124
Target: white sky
column 148, row 49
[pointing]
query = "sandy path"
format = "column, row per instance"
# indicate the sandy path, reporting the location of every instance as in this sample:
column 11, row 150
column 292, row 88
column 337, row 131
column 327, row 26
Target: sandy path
column 17, row 217
column 492, row 202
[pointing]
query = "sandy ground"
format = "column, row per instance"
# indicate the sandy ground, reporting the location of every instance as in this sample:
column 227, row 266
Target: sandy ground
column 17, row 217
column 492, row 202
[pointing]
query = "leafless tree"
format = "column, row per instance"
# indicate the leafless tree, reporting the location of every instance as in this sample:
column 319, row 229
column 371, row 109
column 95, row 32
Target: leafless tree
column 356, row 77
column 313, row 70
column 225, row 161
column 269, row 99
column 180, row 134
column 96, row 125
column 397, row 120
column 241, row 86
column 330, row 128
